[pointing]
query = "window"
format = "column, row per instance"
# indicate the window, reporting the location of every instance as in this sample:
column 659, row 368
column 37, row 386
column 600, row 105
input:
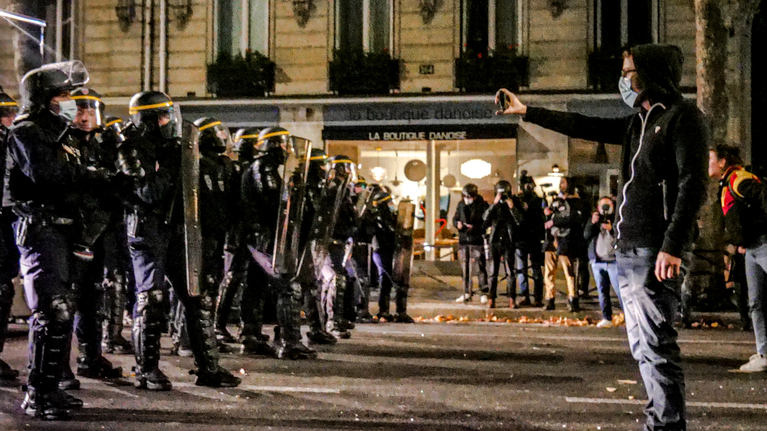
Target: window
column 364, row 25
column 60, row 34
column 619, row 23
column 242, row 25
column 487, row 25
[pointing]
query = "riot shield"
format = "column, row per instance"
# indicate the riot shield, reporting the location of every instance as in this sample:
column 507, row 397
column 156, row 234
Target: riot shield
column 335, row 190
column 285, row 259
column 190, row 190
column 403, row 244
column 363, row 201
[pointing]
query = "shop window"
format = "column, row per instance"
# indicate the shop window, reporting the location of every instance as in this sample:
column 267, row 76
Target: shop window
column 489, row 25
column 59, row 34
column 241, row 26
column 618, row 24
column 364, row 25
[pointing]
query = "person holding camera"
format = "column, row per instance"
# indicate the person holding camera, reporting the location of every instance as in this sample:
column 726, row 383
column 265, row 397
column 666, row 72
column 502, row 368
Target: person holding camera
column 503, row 218
column 468, row 220
column 565, row 224
column 600, row 234
column 530, row 242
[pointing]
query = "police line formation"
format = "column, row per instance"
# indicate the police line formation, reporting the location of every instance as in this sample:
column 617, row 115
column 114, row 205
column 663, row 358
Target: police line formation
column 97, row 211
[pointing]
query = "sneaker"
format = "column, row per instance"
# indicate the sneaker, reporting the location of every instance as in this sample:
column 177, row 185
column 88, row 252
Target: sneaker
column 68, row 381
column 52, row 406
column 252, row 345
column 525, row 302
column 464, row 298
column 385, row 317
column 604, row 323
column 296, row 351
column 117, row 346
column 100, row 368
column 483, row 299
column 757, row 363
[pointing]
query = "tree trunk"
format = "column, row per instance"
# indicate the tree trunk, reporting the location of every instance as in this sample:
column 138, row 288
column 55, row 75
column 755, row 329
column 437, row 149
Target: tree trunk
column 26, row 42
column 707, row 272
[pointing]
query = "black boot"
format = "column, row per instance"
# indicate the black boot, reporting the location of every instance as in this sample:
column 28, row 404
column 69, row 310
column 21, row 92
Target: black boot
column 227, row 292
column 147, row 329
column 112, row 340
column 252, row 345
column 573, row 306
column 401, row 303
column 320, row 336
column 99, row 368
column 202, row 339
column 48, row 333
column 550, row 304
column 288, row 344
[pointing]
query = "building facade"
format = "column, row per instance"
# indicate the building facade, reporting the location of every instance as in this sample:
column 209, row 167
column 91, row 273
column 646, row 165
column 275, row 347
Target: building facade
column 385, row 82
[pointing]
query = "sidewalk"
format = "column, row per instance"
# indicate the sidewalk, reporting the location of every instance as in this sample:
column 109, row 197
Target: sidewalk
column 434, row 289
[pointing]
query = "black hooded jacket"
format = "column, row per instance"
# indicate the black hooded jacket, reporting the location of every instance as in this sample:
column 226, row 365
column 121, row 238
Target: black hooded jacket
column 664, row 157
column 470, row 215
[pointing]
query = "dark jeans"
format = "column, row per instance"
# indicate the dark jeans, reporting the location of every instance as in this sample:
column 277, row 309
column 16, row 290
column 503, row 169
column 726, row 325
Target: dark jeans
column 606, row 275
column 536, row 265
column 649, row 306
column 472, row 258
column 505, row 251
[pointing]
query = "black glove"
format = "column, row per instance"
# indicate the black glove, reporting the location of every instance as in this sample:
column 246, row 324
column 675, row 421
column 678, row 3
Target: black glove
column 129, row 164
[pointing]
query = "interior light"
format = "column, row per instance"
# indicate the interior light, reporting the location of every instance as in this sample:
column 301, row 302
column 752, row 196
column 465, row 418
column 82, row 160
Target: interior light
column 378, row 173
column 476, row 169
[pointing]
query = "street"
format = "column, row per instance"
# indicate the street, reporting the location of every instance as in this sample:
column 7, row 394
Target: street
column 426, row 376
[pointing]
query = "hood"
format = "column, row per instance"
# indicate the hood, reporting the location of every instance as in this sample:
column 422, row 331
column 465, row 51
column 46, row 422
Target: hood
column 660, row 70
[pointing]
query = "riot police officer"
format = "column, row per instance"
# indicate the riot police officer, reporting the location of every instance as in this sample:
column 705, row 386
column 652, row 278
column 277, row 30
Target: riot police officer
column 88, row 268
column 385, row 219
column 118, row 269
column 316, row 286
column 216, row 205
column 261, row 194
column 336, row 307
column 47, row 182
column 236, row 259
column 9, row 254
column 151, row 156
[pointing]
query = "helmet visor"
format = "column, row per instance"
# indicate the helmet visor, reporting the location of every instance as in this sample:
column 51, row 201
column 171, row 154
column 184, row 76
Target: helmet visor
column 89, row 112
column 222, row 136
column 114, row 128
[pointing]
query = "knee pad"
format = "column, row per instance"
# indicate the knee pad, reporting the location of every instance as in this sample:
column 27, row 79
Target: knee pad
column 150, row 302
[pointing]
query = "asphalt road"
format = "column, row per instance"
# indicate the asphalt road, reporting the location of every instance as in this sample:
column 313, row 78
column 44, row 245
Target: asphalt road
column 427, row 377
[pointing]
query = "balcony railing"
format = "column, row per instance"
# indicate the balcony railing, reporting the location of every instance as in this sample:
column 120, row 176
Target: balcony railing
column 605, row 69
column 477, row 73
column 358, row 72
column 249, row 75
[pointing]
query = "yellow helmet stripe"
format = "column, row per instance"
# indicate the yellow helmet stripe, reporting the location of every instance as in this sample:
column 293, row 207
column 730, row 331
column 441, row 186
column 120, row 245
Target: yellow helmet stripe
column 342, row 161
column 9, row 104
column 208, row 126
column 376, row 203
column 247, row 137
column 318, row 158
column 145, row 107
column 113, row 122
column 84, row 97
column 273, row 134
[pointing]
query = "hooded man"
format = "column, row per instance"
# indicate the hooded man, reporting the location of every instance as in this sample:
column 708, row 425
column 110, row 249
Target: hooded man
column 664, row 167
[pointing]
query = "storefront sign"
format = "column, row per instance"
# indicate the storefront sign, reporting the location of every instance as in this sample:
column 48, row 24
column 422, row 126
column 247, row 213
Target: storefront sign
column 418, row 133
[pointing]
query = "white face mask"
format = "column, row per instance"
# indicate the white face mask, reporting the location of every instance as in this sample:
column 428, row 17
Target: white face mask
column 68, row 110
column 627, row 93
column 468, row 201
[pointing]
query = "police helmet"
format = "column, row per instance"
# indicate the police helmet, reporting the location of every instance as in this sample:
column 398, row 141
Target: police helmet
column 214, row 136
column 343, row 165
column 90, row 109
column 39, row 86
column 470, row 190
column 318, row 156
column 113, row 130
column 155, row 112
column 525, row 179
column 8, row 106
column 273, row 141
column 244, row 143
column 380, row 199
